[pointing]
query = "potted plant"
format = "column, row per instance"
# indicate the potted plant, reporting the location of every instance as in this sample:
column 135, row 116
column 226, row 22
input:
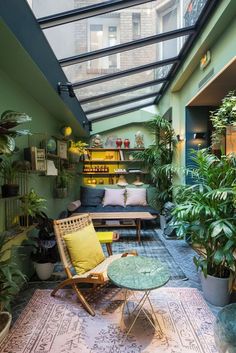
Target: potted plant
column 206, row 214
column 76, row 149
column 9, row 286
column 45, row 253
column 32, row 206
column 158, row 159
column 62, row 184
column 10, row 119
column 9, row 172
column 221, row 118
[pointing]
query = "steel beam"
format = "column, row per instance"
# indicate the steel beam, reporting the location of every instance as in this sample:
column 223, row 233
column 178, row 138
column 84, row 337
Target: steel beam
column 115, row 49
column 124, row 73
column 113, row 105
column 103, row 117
column 120, row 91
column 86, row 12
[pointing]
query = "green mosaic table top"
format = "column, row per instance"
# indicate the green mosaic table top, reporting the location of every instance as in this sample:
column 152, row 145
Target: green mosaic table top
column 138, row 273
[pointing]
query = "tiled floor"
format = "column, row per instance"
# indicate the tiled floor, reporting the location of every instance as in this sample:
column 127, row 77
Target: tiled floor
column 180, row 251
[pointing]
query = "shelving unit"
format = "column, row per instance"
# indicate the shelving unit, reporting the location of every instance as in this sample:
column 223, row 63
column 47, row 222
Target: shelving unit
column 115, row 160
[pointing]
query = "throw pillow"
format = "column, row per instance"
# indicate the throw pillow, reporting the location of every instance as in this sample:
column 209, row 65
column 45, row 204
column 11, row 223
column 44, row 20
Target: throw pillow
column 84, row 248
column 91, row 196
column 74, row 205
column 114, row 197
column 136, row 197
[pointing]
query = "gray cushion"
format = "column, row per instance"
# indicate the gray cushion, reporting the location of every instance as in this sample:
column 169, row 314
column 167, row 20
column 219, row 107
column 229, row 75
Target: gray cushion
column 90, row 196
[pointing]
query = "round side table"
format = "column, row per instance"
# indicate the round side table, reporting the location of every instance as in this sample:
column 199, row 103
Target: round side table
column 137, row 273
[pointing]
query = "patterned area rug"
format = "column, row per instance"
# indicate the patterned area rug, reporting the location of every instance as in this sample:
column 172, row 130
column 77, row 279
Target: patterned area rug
column 60, row 325
column 151, row 246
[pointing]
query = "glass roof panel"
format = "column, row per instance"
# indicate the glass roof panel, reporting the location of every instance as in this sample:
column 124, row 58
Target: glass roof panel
column 125, row 25
column 42, row 8
column 121, row 83
column 125, row 60
column 122, row 97
column 135, row 106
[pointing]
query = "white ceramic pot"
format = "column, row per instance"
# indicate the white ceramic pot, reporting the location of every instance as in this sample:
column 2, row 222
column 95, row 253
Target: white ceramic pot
column 5, row 320
column 44, row 271
column 216, row 290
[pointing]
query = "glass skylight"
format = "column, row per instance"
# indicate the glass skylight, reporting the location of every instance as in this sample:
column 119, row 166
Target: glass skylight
column 122, row 97
column 115, row 110
column 99, row 43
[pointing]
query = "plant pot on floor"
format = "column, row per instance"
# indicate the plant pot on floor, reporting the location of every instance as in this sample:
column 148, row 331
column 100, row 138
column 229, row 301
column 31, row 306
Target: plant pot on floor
column 216, row 290
column 44, row 270
column 10, row 190
column 5, row 322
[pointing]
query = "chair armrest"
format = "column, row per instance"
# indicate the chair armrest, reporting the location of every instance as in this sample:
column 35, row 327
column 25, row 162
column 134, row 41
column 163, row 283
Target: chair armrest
column 96, row 276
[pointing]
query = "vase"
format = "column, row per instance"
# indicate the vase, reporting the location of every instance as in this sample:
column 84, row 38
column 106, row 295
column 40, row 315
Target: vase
column 118, row 142
column 44, row 270
column 126, row 143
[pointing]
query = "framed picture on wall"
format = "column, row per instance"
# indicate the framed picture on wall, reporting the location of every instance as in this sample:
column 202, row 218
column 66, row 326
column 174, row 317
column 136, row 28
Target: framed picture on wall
column 62, row 149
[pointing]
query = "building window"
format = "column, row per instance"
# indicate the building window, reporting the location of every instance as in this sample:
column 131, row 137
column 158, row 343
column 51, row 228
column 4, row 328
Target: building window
column 136, row 24
column 102, row 35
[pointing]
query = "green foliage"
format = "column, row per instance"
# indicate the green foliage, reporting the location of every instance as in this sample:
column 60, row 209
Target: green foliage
column 32, row 204
column 224, row 116
column 63, row 179
column 9, row 274
column 158, row 158
column 206, row 211
column 9, row 120
column 8, row 171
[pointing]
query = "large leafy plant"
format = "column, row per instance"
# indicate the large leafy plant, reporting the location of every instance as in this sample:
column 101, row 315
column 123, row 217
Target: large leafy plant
column 158, row 158
column 8, row 121
column 32, row 204
column 10, row 276
column 224, row 116
column 205, row 212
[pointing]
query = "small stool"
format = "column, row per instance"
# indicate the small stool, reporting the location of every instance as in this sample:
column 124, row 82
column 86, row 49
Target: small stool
column 108, row 238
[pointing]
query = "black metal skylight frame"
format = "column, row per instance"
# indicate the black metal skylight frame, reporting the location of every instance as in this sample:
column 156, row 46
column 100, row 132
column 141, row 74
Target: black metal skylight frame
column 113, row 105
column 114, row 5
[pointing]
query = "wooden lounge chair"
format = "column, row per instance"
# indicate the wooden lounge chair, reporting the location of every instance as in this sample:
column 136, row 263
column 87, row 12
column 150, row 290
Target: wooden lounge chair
column 96, row 276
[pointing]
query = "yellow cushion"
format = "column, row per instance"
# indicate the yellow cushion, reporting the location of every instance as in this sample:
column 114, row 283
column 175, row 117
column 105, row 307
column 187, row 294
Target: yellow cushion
column 84, row 249
column 105, row 237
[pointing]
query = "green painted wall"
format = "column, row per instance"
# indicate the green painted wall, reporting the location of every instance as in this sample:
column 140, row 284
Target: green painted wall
column 218, row 37
column 13, row 96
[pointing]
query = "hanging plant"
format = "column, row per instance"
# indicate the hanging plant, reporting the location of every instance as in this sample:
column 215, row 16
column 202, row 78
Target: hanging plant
column 222, row 117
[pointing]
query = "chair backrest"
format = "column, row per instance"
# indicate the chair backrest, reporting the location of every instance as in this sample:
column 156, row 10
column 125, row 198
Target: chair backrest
column 66, row 226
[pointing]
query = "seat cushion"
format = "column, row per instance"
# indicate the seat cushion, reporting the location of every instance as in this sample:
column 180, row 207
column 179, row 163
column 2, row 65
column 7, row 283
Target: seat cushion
column 101, row 208
column 102, row 267
column 84, row 248
column 90, row 196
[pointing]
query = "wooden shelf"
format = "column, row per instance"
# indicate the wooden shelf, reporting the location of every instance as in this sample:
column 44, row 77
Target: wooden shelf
column 99, row 174
column 101, row 161
column 114, row 149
